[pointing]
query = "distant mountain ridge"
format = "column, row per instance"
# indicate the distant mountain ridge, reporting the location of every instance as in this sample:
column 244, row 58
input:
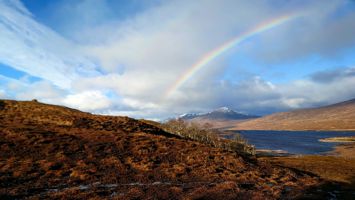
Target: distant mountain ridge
column 339, row 116
column 222, row 113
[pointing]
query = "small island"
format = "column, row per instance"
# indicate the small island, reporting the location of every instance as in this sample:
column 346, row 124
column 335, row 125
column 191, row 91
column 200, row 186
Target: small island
column 338, row 139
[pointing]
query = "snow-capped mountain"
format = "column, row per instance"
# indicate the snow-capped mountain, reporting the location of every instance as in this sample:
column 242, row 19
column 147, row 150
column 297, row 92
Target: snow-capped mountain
column 188, row 116
column 223, row 113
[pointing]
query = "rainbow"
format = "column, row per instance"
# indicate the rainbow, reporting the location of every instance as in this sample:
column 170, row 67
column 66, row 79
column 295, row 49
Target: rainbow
column 225, row 47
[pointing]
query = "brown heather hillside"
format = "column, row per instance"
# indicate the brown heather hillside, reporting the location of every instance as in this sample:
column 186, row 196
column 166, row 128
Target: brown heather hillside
column 339, row 116
column 55, row 152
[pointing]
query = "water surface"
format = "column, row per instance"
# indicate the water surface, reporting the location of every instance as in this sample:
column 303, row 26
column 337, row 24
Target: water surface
column 294, row 142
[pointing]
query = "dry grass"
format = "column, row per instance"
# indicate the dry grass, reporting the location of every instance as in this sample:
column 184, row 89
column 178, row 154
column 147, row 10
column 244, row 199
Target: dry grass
column 339, row 173
column 328, row 167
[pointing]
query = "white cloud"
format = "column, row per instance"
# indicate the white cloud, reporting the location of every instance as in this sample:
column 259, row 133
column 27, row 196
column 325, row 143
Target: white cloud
column 22, row 89
column 294, row 102
column 43, row 90
column 37, row 50
column 315, row 93
column 88, row 101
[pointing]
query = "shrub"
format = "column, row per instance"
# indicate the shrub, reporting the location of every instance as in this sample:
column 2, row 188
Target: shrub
column 2, row 104
column 207, row 135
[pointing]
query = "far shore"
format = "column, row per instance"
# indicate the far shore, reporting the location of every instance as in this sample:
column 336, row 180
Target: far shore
column 338, row 139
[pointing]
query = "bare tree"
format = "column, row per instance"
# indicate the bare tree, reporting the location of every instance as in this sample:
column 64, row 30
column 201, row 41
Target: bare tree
column 207, row 135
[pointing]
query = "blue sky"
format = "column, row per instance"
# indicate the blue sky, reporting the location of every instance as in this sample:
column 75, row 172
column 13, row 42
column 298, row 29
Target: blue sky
column 120, row 57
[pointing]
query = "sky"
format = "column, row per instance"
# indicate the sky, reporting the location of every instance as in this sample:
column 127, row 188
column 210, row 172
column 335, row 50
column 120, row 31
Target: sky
column 156, row 59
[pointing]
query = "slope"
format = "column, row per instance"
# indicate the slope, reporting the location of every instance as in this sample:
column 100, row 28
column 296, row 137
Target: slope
column 340, row 116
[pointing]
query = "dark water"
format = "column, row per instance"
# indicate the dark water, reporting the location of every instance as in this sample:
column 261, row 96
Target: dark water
column 294, row 142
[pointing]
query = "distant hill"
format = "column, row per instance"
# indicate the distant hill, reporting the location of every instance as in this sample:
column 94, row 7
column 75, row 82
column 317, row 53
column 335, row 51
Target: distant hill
column 49, row 151
column 223, row 113
column 222, row 118
column 340, row 116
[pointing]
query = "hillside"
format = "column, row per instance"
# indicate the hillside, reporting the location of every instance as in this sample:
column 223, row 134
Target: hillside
column 50, row 151
column 340, row 116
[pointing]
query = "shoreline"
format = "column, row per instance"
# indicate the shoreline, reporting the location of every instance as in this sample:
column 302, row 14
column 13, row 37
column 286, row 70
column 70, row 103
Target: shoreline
column 272, row 153
column 339, row 139
column 345, row 150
